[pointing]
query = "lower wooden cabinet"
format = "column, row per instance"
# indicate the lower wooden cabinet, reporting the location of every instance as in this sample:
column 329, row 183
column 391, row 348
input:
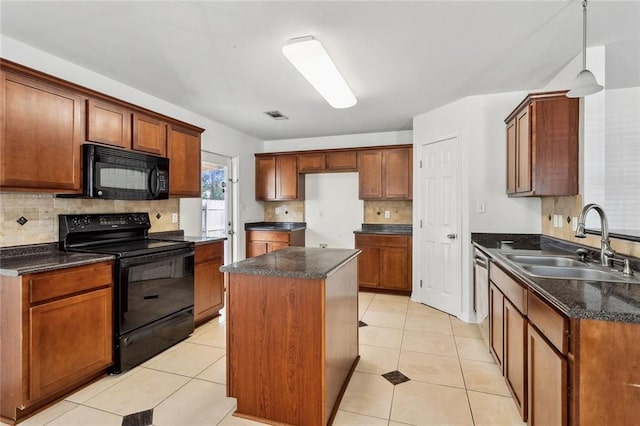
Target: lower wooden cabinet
column 515, row 355
column 385, row 262
column 56, row 334
column 262, row 242
column 547, row 381
column 496, row 325
column 208, row 281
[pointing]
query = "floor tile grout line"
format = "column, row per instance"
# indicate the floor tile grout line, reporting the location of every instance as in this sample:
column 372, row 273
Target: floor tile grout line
column 464, row 381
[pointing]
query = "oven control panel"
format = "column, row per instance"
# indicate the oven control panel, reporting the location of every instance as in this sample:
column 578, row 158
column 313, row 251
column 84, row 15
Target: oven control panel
column 96, row 222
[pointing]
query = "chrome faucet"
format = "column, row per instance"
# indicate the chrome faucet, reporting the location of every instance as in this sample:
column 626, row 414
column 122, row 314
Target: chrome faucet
column 606, row 252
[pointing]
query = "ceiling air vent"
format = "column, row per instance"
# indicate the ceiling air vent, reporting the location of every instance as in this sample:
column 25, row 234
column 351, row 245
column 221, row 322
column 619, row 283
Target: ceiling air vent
column 276, row 115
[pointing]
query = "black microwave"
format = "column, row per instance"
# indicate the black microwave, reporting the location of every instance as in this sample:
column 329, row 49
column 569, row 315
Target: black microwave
column 117, row 174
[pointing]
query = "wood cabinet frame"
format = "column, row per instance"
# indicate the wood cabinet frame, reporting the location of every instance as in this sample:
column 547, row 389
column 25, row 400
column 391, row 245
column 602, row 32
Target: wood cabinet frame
column 542, row 146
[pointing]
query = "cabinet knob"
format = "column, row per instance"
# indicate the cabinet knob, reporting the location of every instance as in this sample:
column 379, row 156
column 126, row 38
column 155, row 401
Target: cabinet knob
column 451, row 236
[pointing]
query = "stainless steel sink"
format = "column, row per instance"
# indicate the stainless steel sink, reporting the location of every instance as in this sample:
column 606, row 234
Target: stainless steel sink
column 583, row 273
column 545, row 260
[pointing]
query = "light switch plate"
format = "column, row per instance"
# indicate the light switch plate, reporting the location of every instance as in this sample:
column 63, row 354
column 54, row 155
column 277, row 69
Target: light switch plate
column 174, row 217
column 387, row 214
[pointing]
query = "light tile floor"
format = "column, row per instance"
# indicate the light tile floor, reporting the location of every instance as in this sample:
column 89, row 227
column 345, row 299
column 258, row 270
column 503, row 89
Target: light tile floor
column 453, row 379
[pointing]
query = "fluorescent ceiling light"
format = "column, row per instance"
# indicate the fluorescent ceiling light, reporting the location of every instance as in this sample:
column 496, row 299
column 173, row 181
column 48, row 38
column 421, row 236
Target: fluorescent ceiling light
column 313, row 62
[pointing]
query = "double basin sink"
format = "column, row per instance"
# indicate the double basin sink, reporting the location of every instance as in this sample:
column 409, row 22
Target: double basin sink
column 567, row 268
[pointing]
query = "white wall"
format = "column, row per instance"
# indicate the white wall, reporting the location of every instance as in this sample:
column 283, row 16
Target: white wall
column 478, row 124
column 340, row 141
column 332, row 209
column 217, row 137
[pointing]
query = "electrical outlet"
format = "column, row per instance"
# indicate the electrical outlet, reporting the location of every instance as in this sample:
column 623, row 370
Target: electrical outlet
column 387, row 214
column 174, row 218
column 277, row 210
column 574, row 223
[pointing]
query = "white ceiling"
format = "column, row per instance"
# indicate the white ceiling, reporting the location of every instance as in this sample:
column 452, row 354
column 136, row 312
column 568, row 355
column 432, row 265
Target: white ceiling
column 223, row 60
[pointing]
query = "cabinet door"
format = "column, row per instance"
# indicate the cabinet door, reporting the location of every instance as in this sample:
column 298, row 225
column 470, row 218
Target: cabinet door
column 512, row 158
column 547, row 382
column 287, row 177
column 313, row 162
column 208, row 289
column 342, row 161
column 523, row 150
column 108, row 123
column 183, row 150
column 397, row 174
column 70, row 340
column 369, row 267
column 41, row 136
column 149, row 135
column 370, row 175
column 256, row 248
column 515, row 355
column 394, row 268
column 275, row 246
column 496, row 324
column 266, row 178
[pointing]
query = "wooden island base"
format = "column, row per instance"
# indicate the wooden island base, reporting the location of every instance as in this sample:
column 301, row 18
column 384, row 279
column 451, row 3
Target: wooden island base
column 292, row 341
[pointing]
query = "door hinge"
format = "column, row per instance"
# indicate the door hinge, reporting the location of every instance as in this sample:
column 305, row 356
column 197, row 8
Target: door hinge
column 420, row 223
column 420, row 283
column 420, row 163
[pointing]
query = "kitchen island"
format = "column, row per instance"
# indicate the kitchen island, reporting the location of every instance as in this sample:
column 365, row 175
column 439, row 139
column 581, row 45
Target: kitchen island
column 292, row 333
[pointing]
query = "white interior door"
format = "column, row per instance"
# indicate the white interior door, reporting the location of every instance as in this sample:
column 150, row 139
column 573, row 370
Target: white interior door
column 440, row 250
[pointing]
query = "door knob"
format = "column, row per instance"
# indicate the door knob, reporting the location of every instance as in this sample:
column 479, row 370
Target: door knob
column 451, row 236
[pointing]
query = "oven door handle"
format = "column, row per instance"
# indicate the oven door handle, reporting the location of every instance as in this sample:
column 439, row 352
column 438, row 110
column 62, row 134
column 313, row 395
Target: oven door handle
column 156, row 257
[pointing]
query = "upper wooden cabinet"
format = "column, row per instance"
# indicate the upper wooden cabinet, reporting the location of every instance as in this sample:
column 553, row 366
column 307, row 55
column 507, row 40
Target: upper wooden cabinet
column 183, row 150
column 542, row 146
column 44, row 120
column 108, row 123
column 149, row 134
column 41, row 136
column 277, row 178
column 328, row 161
column 386, row 174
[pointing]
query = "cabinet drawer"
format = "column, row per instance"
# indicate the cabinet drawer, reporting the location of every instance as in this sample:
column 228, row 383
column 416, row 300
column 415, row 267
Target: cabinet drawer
column 382, row 240
column 205, row 252
column 553, row 325
column 49, row 285
column 512, row 289
column 278, row 236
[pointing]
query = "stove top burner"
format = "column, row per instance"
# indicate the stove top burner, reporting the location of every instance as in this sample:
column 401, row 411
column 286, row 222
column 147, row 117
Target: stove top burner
column 119, row 234
column 136, row 248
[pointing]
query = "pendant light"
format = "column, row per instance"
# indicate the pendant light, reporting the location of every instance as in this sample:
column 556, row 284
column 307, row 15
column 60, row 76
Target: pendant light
column 585, row 82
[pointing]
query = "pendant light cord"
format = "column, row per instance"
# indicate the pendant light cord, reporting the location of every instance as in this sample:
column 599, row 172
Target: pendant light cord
column 584, row 34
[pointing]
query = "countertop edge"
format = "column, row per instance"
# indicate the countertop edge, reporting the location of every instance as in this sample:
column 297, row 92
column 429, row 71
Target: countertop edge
column 574, row 313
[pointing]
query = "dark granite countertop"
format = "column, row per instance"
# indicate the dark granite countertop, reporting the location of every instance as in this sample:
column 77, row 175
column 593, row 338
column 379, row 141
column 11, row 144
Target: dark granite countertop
column 294, row 262
column 598, row 300
column 385, row 229
column 31, row 259
column 179, row 236
column 275, row 226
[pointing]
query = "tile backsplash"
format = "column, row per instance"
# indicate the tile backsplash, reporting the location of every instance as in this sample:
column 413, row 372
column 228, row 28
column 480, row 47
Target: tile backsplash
column 400, row 212
column 288, row 211
column 571, row 207
column 41, row 212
